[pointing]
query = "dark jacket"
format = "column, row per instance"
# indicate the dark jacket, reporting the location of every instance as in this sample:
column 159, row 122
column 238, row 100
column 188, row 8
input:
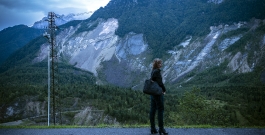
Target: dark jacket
column 156, row 76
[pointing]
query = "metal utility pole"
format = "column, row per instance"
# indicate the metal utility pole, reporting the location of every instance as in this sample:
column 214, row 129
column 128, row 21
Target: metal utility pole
column 52, row 63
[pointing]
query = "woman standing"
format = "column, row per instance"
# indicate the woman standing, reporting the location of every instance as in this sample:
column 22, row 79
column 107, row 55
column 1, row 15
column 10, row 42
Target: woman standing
column 157, row 102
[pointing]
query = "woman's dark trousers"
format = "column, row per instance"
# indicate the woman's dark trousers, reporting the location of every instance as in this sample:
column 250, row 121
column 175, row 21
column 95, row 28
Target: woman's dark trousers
column 157, row 103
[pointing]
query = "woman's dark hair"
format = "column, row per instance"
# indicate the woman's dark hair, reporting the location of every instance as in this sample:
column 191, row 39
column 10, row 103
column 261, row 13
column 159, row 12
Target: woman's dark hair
column 156, row 62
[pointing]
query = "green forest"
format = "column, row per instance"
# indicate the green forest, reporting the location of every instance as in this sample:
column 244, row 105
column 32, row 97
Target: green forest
column 192, row 105
column 211, row 97
column 165, row 23
column 14, row 38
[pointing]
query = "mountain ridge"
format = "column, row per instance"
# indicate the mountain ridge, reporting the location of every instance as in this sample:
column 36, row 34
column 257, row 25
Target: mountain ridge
column 71, row 41
column 62, row 19
column 104, row 62
column 174, row 20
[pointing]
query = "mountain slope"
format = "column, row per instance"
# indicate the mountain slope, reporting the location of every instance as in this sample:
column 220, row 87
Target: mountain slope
column 203, row 44
column 94, row 45
column 13, row 38
column 166, row 23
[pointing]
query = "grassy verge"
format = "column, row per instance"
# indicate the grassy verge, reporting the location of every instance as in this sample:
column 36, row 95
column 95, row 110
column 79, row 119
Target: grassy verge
column 121, row 126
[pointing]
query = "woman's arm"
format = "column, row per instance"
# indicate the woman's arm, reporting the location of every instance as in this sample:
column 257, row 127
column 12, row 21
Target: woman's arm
column 158, row 78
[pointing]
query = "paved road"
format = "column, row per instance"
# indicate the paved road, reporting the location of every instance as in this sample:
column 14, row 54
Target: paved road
column 133, row 131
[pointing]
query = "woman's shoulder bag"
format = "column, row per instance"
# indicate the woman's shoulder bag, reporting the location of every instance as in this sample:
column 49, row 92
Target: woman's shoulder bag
column 151, row 87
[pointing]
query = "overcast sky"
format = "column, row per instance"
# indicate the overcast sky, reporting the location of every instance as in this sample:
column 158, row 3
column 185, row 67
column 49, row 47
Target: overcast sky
column 15, row 12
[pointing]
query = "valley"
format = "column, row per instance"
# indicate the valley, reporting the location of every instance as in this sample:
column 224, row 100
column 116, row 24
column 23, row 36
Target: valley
column 213, row 66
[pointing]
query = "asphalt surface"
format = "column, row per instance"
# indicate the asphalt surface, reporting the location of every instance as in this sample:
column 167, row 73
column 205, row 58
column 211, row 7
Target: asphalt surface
column 133, row 131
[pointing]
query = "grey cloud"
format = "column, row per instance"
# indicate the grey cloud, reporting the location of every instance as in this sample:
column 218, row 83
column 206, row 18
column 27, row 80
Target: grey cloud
column 15, row 12
column 31, row 5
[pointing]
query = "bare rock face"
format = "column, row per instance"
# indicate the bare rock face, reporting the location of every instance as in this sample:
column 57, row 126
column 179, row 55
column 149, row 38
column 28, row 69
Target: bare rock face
column 239, row 62
column 32, row 112
column 127, row 61
column 90, row 117
column 26, row 107
column 35, row 109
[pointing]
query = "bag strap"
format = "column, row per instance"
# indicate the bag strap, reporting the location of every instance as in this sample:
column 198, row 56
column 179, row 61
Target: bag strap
column 152, row 75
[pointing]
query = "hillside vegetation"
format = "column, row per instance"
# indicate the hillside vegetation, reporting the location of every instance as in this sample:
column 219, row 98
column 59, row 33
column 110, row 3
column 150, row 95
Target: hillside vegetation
column 166, row 23
column 205, row 96
column 14, row 38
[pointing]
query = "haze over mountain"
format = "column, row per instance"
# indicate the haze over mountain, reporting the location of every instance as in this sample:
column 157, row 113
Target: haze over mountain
column 215, row 45
column 62, row 19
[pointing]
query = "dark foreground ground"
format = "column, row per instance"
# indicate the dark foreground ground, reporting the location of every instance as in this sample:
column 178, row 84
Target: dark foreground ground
column 133, row 131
